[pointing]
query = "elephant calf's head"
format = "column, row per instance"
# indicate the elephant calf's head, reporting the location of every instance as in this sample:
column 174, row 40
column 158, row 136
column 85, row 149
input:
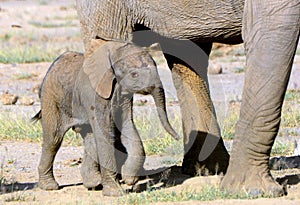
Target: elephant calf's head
column 134, row 69
column 132, row 66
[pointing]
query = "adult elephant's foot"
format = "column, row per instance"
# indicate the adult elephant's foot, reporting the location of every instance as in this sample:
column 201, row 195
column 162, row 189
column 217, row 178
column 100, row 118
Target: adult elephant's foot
column 252, row 180
column 248, row 170
column 48, row 184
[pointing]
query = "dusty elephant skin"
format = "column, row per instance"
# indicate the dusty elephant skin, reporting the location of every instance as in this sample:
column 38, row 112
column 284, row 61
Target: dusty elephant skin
column 270, row 32
column 92, row 94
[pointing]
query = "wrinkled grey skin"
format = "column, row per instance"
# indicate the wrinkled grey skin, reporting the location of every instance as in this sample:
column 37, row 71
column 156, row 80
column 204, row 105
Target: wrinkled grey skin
column 72, row 97
column 270, row 32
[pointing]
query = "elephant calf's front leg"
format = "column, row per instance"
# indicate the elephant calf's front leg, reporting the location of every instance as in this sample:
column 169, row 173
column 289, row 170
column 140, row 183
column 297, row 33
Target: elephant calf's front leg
column 105, row 152
column 135, row 154
column 90, row 170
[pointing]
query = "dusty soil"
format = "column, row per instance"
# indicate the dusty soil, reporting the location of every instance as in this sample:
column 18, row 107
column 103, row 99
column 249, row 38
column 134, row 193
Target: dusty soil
column 19, row 160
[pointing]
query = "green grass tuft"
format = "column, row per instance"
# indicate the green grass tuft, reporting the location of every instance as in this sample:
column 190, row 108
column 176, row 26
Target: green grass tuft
column 240, row 69
column 155, row 139
column 23, row 129
column 39, row 24
column 282, row 149
column 208, row 193
column 18, row 47
column 291, row 109
column 229, row 123
column 290, row 117
column 23, row 76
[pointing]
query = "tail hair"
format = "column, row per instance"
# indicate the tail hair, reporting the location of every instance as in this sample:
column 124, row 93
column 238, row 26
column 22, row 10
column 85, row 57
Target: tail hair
column 37, row 117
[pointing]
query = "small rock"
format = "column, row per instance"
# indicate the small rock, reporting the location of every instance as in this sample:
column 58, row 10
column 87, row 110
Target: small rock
column 9, row 99
column 26, row 101
column 36, row 88
column 215, row 69
column 16, row 26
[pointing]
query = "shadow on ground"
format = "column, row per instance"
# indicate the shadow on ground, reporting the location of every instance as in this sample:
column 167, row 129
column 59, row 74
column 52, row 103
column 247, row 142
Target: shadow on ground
column 167, row 177
column 13, row 187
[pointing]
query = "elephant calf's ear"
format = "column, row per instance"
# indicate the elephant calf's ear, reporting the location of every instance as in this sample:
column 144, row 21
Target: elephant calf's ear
column 98, row 69
column 94, row 45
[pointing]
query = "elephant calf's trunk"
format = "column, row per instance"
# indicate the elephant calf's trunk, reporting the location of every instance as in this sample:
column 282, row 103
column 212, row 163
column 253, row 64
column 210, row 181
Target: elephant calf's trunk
column 160, row 102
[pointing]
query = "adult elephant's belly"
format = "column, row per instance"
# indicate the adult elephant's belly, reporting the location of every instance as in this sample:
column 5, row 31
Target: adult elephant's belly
column 219, row 20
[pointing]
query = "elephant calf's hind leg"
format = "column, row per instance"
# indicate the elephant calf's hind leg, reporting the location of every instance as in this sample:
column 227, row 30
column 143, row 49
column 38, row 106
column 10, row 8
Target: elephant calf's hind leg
column 52, row 139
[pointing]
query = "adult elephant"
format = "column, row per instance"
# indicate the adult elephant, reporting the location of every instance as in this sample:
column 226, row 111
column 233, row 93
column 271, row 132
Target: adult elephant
column 270, row 33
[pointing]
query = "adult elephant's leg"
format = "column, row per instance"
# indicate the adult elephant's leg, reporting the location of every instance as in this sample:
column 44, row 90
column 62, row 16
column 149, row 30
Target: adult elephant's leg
column 204, row 149
column 271, row 33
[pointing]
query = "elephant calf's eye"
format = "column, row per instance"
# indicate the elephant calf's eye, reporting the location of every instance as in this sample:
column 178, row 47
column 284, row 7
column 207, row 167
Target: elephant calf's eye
column 134, row 75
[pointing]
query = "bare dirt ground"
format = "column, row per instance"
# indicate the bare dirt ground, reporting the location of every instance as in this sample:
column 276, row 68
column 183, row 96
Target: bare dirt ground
column 19, row 159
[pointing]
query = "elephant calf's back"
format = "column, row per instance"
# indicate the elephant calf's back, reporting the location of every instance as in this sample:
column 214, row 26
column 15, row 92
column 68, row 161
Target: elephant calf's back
column 60, row 79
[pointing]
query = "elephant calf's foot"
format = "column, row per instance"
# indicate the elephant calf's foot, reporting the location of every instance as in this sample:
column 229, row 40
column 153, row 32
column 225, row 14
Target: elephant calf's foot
column 127, row 179
column 92, row 181
column 130, row 180
column 252, row 181
column 112, row 189
column 91, row 176
column 48, row 184
column 90, row 170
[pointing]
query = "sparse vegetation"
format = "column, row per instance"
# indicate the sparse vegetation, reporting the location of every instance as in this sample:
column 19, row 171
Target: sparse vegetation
column 291, row 109
column 239, row 69
column 18, row 47
column 229, row 123
column 43, row 2
column 207, row 193
column 42, row 24
column 20, row 196
column 216, row 54
column 282, row 149
column 23, row 129
column 65, row 18
column 298, row 51
column 156, row 140
column 290, row 116
column 23, row 76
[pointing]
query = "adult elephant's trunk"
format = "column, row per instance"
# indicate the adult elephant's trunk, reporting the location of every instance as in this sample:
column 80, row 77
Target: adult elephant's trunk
column 160, row 102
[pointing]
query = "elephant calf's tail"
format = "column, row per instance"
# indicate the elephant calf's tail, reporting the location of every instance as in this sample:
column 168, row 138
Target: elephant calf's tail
column 37, row 117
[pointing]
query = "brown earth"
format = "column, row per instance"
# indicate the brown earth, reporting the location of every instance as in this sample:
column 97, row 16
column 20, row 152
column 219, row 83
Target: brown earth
column 19, row 160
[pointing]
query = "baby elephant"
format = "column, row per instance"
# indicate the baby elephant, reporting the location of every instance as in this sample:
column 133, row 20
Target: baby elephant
column 92, row 94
